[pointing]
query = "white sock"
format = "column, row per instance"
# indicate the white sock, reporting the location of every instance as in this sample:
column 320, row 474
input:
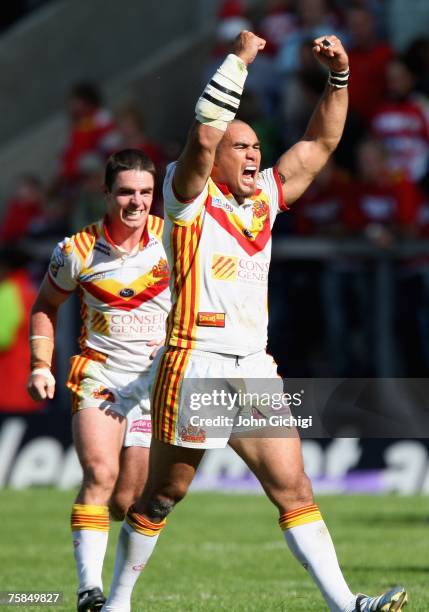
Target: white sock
column 90, row 531
column 132, row 554
column 89, row 550
column 309, row 540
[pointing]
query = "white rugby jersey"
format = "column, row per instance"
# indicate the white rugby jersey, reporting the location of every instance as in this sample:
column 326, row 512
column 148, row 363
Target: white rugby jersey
column 219, row 254
column 124, row 297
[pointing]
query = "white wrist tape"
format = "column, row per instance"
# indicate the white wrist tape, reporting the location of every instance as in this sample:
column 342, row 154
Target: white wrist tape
column 220, row 100
column 46, row 372
column 339, row 79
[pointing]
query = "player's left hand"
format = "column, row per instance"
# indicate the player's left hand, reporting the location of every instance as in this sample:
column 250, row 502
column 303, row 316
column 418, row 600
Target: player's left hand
column 331, row 53
column 157, row 344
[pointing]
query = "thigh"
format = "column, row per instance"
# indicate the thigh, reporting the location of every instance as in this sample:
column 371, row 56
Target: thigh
column 171, row 471
column 98, row 435
column 279, row 467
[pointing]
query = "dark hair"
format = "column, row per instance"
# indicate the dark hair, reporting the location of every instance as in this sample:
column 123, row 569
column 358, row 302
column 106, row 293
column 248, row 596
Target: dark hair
column 127, row 159
column 88, row 92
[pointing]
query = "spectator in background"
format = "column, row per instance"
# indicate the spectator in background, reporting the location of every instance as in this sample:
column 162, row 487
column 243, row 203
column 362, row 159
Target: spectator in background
column 91, row 128
column 313, row 19
column 319, row 211
column 17, row 295
column 300, row 93
column 382, row 204
column 277, row 24
column 401, row 124
column 261, row 82
column 90, row 202
column 369, row 58
column 131, row 134
column 23, row 209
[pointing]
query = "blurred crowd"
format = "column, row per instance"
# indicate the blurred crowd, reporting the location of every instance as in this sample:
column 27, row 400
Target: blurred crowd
column 375, row 189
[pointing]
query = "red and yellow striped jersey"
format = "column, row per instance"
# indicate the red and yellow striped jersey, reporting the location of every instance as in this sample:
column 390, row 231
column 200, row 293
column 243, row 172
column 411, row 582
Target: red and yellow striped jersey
column 219, row 255
column 124, row 297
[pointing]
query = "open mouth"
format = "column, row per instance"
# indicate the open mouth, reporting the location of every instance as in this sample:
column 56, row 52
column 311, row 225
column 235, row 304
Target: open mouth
column 248, row 175
column 133, row 213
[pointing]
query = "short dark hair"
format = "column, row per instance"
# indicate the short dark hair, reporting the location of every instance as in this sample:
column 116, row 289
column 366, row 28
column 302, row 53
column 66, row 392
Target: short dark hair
column 88, row 92
column 127, row 159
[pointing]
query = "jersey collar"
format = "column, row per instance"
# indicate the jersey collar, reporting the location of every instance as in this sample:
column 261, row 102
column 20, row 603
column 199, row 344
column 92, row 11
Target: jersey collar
column 223, row 188
column 142, row 244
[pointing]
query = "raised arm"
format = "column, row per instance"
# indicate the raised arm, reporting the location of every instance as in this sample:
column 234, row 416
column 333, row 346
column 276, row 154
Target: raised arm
column 41, row 384
column 215, row 108
column 300, row 164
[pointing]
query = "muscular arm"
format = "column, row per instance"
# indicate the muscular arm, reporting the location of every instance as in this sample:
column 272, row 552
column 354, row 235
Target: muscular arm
column 302, row 162
column 42, row 323
column 196, row 161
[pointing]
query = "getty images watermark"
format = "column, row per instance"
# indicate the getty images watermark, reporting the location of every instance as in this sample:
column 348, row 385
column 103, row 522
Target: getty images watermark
column 246, row 409
column 308, row 407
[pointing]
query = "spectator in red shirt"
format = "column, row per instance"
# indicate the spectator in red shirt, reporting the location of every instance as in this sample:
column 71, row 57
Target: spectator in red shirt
column 92, row 126
column 25, row 206
column 319, row 210
column 401, row 124
column 369, row 58
column 382, row 205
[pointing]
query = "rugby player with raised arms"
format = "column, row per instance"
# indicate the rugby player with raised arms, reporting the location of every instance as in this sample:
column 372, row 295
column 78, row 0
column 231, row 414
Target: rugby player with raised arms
column 119, row 267
column 220, row 209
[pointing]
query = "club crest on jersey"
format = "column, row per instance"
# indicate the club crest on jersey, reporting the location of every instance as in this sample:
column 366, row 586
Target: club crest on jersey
column 260, row 208
column 192, row 433
column 224, row 267
column 103, row 393
column 127, row 292
column 160, row 270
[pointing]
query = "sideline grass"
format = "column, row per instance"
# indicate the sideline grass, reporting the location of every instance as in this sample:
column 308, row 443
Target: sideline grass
column 223, row 552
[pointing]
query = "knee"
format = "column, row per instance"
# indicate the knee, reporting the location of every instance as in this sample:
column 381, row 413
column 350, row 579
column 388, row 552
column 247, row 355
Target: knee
column 295, row 493
column 159, row 506
column 118, row 506
column 100, row 474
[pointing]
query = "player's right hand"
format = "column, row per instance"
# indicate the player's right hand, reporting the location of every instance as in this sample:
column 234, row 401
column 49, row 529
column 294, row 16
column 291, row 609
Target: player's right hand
column 247, row 45
column 41, row 385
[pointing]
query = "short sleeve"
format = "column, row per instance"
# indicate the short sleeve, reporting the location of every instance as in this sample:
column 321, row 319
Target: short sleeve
column 181, row 212
column 269, row 181
column 64, row 267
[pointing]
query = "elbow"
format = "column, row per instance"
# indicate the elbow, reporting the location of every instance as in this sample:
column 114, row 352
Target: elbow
column 328, row 146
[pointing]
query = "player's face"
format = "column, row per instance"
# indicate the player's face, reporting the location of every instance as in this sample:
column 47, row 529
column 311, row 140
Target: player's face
column 130, row 199
column 238, row 159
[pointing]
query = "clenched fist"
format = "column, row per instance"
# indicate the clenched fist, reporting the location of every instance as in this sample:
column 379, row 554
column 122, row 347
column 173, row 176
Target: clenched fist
column 330, row 52
column 247, row 45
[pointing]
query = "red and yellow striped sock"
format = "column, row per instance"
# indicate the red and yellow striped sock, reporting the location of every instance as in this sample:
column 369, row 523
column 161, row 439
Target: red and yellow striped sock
column 143, row 525
column 88, row 516
column 300, row 516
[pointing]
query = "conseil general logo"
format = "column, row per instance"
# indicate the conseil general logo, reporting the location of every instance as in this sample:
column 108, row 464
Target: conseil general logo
column 224, row 267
